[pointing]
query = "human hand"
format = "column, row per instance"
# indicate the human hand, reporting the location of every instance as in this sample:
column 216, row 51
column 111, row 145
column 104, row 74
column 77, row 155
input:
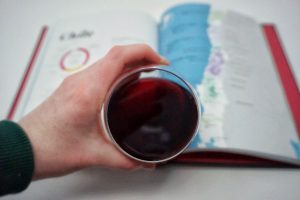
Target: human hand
column 65, row 130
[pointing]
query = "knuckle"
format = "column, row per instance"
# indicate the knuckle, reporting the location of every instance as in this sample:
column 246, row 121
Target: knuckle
column 128, row 167
column 68, row 81
column 83, row 98
column 115, row 52
column 78, row 96
column 145, row 47
column 82, row 108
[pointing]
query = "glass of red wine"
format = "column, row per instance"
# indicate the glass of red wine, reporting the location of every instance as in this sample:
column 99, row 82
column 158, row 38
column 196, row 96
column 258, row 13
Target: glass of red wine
column 151, row 114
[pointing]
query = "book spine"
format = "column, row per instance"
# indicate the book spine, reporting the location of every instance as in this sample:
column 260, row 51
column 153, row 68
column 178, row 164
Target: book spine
column 27, row 73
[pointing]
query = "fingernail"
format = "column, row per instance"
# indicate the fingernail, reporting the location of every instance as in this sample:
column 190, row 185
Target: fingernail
column 164, row 61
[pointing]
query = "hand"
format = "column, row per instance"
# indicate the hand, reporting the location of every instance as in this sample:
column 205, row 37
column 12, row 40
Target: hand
column 65, row 130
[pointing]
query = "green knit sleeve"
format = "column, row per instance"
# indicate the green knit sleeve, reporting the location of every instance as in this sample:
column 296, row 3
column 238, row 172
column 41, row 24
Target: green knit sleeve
column 16, row 158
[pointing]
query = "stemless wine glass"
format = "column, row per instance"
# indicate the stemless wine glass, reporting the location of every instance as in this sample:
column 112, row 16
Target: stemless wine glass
column 151, row 114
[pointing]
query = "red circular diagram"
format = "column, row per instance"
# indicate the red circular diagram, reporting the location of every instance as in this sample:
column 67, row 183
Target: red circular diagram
column 74, row 59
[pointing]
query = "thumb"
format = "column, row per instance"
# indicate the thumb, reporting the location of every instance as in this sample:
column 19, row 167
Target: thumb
column 122, row 57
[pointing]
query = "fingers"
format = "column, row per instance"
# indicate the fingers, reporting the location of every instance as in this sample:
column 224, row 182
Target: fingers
column 111, row 157
column 122, row 57
column 149, row 166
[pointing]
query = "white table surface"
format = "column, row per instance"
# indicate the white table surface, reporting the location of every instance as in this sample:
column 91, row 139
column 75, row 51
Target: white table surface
column 20, row 23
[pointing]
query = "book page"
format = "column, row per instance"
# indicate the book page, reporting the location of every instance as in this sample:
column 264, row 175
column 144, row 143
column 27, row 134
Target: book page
column 226, row 59
column 185, row 41
column 74, row 44
column 257, row 116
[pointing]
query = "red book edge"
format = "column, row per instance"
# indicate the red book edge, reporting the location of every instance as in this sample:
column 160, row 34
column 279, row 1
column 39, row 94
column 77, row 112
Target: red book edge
column 212, row 158
column 27, row 73
column 285, row 73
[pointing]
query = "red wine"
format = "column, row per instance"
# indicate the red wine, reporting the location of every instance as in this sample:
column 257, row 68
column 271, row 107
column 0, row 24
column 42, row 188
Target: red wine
column 152, row 119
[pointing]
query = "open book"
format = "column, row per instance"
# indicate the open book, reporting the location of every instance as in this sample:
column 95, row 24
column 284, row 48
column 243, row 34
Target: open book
column 250, row 103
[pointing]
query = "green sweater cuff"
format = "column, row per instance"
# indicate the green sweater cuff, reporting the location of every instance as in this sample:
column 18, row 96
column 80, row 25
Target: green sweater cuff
column 16, row 158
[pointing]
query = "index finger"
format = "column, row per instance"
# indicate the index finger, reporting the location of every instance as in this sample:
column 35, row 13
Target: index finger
column 120, row 57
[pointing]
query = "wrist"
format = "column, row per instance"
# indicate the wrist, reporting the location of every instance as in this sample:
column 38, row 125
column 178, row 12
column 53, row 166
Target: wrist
column 51, row 157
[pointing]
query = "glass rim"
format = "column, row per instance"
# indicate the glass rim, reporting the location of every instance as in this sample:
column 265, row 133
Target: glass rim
column 104, row 117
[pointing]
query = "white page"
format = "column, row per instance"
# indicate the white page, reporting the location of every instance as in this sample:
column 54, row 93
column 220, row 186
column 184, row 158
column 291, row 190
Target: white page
column 72, row 45
column 257, row 117
column 244, row 107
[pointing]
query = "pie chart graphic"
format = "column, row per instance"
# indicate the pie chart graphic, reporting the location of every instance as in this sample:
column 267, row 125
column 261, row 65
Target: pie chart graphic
column 74, row 59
